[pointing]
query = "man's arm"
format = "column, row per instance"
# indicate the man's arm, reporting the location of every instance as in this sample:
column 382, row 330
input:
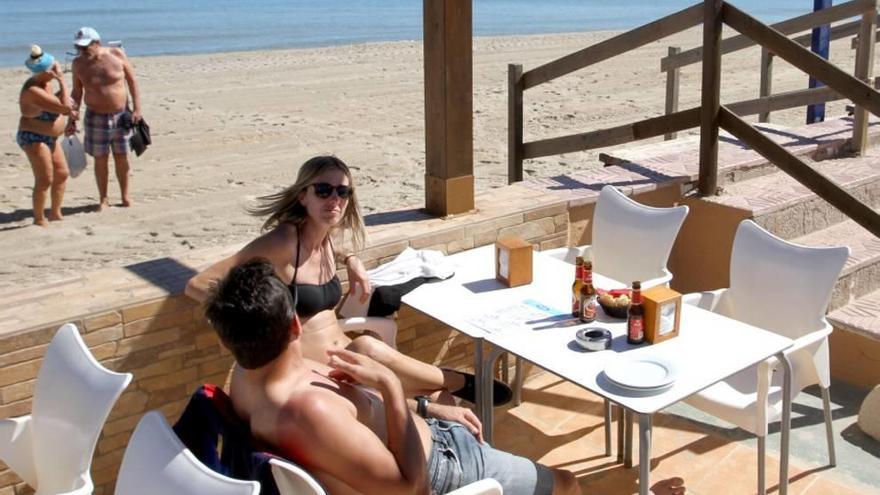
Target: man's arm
column 132, row 84
column 76, row 95
column 403, row 437
column 322, row 433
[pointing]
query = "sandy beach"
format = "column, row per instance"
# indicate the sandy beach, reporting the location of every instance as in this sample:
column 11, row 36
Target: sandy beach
column 230, row 127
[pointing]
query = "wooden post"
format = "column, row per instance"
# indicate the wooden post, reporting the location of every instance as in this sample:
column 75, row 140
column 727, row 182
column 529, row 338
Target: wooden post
column 514, row 123
column 449, row 126
column 864, row 71
column 672, row 85
column 711, row 97
column 766, row 80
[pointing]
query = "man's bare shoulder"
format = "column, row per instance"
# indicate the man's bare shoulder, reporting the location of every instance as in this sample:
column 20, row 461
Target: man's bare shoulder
column 306, row 417
column 117, row 52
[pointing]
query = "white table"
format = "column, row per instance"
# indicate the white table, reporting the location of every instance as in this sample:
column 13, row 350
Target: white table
column 705, row 351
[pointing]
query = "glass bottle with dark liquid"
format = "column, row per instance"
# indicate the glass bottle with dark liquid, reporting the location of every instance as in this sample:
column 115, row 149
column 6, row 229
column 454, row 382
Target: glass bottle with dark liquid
column 588, row 302
column 635, row 321
column 576, row 286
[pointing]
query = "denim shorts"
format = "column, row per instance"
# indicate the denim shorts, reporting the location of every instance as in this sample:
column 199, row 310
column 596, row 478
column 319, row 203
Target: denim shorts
column 458, row 458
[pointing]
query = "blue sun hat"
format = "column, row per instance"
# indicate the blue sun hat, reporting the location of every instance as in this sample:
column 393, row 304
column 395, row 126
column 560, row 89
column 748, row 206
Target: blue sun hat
column 39, row 61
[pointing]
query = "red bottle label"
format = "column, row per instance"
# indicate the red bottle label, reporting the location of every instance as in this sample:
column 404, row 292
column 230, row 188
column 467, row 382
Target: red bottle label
column 636, row 328
column 575, row 305
column 589, row 309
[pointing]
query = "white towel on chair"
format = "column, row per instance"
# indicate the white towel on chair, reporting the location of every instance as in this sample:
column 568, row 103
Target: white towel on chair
column 409, row 264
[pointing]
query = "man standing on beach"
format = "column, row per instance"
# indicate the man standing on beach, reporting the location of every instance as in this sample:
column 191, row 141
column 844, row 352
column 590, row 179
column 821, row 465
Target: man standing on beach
column 101, row 74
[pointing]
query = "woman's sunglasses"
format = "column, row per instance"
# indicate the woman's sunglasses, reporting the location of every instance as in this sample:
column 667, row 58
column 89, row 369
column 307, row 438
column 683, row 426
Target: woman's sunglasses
column 323, row 190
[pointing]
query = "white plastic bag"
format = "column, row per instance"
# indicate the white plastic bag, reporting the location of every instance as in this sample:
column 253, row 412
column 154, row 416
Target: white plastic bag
column 74, row 153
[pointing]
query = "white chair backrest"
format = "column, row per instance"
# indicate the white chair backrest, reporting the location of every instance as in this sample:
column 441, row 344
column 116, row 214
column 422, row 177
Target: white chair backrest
column 72, row 398
column 156, row 461
column 632, row 241
column 778, row 285
column 294, row 480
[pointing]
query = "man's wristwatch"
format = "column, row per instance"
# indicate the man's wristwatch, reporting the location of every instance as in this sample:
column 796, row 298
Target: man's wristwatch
column 422, row 405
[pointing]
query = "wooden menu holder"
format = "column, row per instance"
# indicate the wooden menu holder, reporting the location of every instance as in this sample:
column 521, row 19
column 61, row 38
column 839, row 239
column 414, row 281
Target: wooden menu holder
column 513, row 261
column 662, row 313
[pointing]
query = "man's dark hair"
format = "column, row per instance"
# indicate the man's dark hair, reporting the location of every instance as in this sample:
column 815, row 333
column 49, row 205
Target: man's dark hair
column 252, row 309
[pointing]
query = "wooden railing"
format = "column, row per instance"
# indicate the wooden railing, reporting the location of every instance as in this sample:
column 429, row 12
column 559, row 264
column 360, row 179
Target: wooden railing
column 710, row 116
column 676, row 59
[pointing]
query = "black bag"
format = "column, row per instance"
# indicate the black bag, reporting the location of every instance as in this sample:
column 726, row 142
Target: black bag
column 140, row 137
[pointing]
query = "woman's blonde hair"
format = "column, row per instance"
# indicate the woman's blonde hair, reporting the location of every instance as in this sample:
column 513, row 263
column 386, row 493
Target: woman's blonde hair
column 285, row 207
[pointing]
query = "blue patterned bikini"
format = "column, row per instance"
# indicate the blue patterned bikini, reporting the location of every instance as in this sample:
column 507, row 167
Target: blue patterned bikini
column 27, row 137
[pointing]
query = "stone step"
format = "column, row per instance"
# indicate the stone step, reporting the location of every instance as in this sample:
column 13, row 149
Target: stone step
column 736, row 162
column 860, row 316
column 783, row 206
column 861, row 273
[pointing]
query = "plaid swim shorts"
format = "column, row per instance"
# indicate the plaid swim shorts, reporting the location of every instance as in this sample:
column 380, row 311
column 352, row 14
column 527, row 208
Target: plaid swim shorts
column 106, row 132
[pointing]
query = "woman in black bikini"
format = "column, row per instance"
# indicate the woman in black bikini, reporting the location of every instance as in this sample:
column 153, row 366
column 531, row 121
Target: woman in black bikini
column 301, row 219
column 39, row 128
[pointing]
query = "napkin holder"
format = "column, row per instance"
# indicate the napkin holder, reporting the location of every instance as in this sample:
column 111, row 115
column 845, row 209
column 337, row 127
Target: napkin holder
column 662, row 313
column 513, row 261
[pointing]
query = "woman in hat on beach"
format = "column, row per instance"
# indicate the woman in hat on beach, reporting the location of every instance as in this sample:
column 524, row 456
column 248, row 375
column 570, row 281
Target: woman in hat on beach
column 38, row 130
column 300, row 221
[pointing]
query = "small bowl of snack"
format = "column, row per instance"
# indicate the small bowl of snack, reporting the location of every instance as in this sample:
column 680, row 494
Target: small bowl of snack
column 615, row 302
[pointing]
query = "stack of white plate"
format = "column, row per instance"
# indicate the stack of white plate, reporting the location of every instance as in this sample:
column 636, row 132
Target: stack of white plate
column 642, row 374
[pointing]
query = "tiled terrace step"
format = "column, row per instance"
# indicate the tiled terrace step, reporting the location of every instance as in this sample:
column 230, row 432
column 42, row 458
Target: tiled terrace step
column 783, row 206
column 736, row 162
column 861, row 273
column 861, row 316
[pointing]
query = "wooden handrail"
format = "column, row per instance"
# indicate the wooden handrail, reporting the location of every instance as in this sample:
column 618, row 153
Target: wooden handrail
column 788, row 99
column 790, row 26
column 626, row 133
column 812, row 179
column 805, row 60
column 617, row 45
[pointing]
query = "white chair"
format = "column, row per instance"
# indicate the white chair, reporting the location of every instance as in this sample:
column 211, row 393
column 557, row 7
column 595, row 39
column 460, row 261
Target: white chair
column 631, row 241
column 385, row 328
column 487, row 486
column 784, row 288
column 51, row 449
column 293, row 480
column 156, row 461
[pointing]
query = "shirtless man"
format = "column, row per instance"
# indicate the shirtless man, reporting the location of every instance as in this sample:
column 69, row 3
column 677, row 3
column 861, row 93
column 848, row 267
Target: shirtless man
column 349, row 423
column 101, row 74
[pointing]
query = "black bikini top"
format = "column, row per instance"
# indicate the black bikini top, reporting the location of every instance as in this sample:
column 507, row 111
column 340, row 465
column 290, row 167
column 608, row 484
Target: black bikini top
column 313, row 298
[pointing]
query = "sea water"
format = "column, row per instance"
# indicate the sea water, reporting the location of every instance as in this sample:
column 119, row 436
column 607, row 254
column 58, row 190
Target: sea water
column 176, row 27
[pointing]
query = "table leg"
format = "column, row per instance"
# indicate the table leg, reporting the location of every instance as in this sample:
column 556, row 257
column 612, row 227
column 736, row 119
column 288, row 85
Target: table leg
column 607, row 427
column 480, row 406
column 621, row 432
column 485, row 393
column 628, row 441
column 644, row 453
column 785, row 427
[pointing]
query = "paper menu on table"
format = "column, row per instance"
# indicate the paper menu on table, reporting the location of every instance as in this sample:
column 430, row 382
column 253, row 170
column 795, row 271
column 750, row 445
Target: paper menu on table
column 517, row 316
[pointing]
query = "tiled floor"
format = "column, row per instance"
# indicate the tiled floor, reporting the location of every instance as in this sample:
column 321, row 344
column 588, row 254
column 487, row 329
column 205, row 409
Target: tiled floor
column 560, row 425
